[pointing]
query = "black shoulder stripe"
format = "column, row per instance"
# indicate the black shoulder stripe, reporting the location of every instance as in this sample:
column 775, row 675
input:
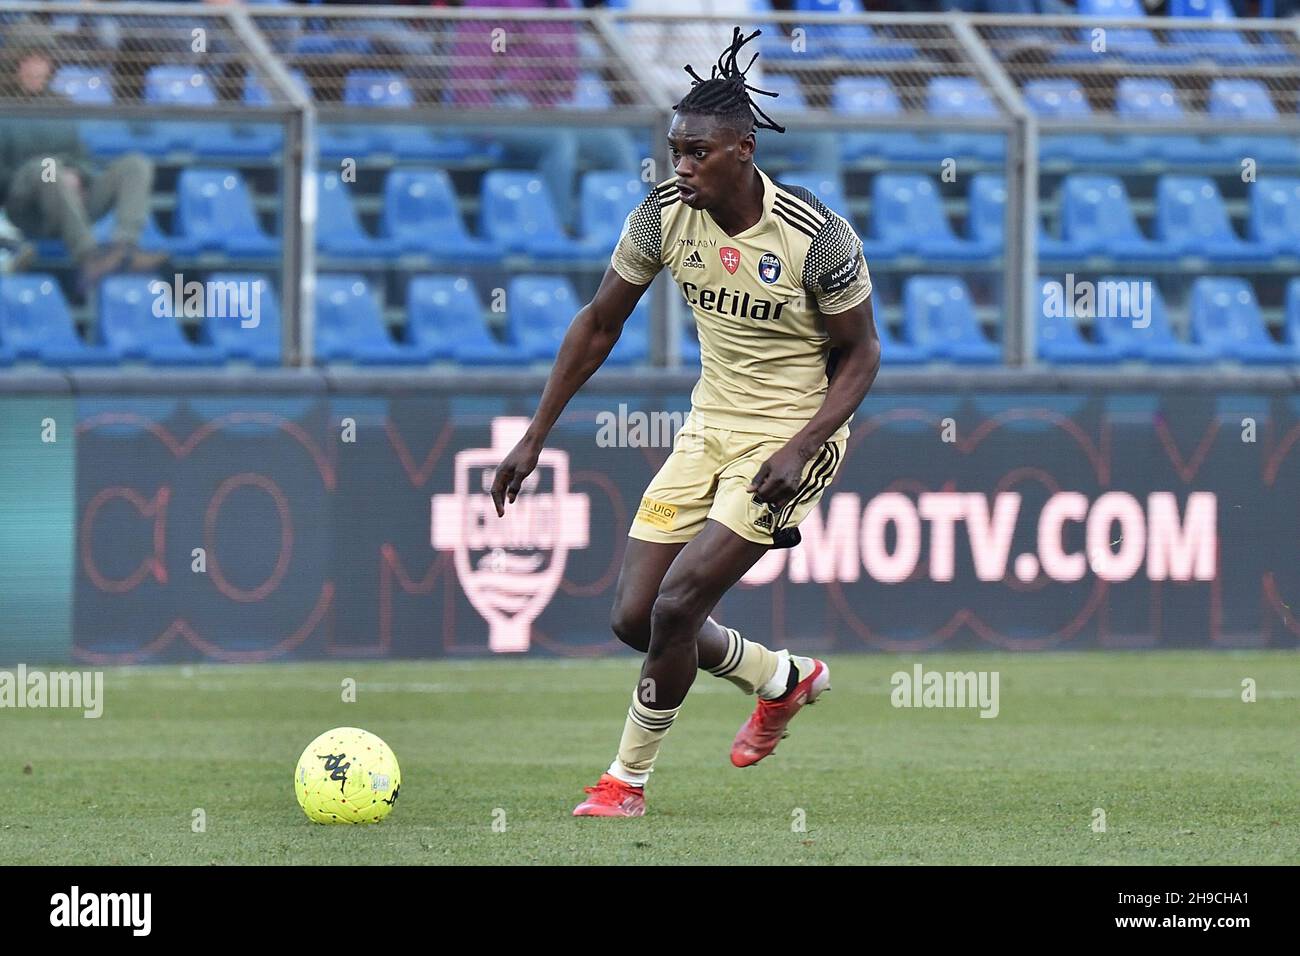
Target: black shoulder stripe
column 794, row 201
column 793, row 223
column 804, row 199
column 798, row 214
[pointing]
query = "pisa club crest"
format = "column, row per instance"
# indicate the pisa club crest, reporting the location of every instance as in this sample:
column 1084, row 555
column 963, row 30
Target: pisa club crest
column 510, row 566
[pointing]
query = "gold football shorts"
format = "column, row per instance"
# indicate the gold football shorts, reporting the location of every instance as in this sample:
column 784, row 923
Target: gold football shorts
column 706, row 476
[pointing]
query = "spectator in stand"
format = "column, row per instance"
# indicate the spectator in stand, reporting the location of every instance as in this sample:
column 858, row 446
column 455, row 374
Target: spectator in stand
column 536, row 68
column 48, row 185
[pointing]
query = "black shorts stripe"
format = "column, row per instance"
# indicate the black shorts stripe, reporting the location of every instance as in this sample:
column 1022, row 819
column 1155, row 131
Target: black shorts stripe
column 820, row 480
column 823, row 479
column 820, row 462
column 784, row 203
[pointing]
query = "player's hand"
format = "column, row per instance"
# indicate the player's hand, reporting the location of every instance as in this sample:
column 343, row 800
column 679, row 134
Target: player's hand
column 778, row 478
column 512, row 471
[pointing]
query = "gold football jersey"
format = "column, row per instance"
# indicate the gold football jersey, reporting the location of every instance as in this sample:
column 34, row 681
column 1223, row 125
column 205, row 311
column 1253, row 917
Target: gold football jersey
column 757, row 296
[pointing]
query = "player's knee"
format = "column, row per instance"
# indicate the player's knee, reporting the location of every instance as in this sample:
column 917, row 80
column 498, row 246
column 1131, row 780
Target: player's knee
column 631, row 626
column 678, row 610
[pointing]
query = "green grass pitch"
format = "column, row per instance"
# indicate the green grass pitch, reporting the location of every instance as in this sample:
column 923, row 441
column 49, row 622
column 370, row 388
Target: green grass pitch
column 495, row 753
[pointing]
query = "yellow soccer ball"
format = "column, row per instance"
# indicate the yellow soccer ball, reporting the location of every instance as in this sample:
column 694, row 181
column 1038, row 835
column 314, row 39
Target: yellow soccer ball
column 347, row 775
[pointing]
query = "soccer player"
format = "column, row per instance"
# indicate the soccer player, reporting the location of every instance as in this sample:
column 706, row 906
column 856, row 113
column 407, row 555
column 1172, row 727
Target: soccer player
column 788, row 349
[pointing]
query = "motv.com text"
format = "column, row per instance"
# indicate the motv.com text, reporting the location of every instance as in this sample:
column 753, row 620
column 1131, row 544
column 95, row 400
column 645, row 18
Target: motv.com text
column 894, row 538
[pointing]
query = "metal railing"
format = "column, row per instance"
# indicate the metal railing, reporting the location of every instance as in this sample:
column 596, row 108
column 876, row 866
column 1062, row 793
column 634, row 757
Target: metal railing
column 460, row 66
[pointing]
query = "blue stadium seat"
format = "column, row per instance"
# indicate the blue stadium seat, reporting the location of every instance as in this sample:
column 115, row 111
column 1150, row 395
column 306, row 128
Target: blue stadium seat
column 446, row 322
column 1248, row 101
column 1192, row 220
column 259, row 138
column 1155, row 342
column 1097, row 220
column 855, row 41
column 330, row 44
column 1065, row 99
column 1291, row 317
column 377, row 89
column 1226, row 47
column 869, row 96
column 131, row 330
column 591, row 92
column 1136, row 44
column 789, row 92
column 964, row 97
column 338, row 230
column 179, row 85
column 421, row 216
column 191, row 87
column 215, row 209
column 607, row 198
column 909, row 219
column 1152, row 102
column 516, row 211
column 35, row 324
column 1226, row 317
column 255, row 94
column 893, row 350
column 825, row 186
column 259, row 344
column 540, row 311
column 83, row 84
column 1275, row 215
column 987, row 205
column 633, row 345
column 1058, row 335
column 350, row 328
column 939, row 317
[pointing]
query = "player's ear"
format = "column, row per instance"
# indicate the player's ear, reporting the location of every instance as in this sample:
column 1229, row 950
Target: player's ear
column 747, row 144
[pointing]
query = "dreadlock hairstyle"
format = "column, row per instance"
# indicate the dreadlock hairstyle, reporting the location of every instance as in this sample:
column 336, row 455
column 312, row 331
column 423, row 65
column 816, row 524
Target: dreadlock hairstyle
column 726, row 94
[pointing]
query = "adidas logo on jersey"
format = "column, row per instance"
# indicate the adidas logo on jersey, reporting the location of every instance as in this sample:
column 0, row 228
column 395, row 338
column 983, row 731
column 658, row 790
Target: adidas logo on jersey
column 693, row 261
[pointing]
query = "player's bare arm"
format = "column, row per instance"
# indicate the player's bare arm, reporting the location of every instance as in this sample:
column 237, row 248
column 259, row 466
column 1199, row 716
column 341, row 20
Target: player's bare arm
column 853, row 336
column 591, row 336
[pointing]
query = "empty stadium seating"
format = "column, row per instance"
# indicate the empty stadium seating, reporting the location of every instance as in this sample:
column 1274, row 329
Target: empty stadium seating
column 238, row 339
column 909, row 219
column 133, row 329
column 1225, row 316
column 350, row 327
column 1149, row 338
column 939, row 317
column 421, row 215
column 35, row 324
column 446, row 319
column 214, row 209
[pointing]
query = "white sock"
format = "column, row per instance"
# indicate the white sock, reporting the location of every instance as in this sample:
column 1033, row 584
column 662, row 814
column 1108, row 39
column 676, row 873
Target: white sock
column 619, row 772
column 776, row 686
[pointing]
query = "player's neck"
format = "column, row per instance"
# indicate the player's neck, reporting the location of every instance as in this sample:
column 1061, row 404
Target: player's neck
column 745, row 212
